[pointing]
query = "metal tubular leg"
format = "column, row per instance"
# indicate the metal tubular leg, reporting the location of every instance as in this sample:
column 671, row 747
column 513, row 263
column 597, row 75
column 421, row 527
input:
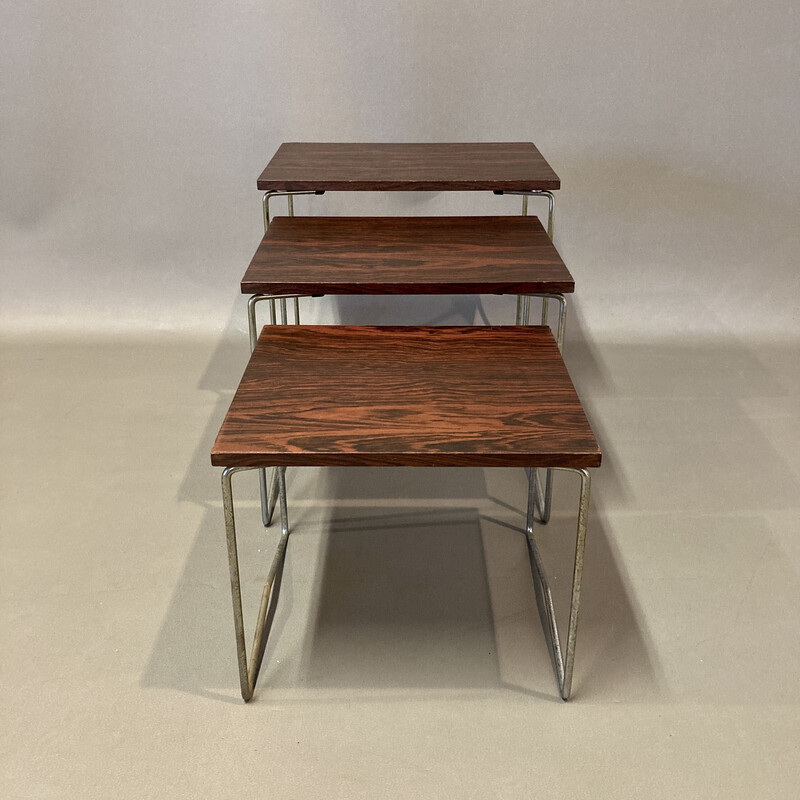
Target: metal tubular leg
column 252, row 326
column 551, row 206
column 520, row 301
column 248, row 673
column 543, row 499
column 266, row 508
column 562, row 664
column 562, row 315
column 551, row 212
column 562, row 321
column 289, row 200
column 251, row 318
column 266, row 490
column 290, row 205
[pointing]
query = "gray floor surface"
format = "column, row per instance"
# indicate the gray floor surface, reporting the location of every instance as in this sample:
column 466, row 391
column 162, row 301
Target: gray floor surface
column 406, row 657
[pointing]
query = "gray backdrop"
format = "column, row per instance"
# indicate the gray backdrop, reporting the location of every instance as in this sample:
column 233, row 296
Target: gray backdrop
column 133, row 133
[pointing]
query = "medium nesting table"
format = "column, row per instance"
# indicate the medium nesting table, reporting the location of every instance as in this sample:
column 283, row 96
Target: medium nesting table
column 405, row 255
column 406, row 396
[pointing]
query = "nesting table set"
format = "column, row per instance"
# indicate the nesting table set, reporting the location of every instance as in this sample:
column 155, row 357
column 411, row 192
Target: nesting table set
column 344, row 395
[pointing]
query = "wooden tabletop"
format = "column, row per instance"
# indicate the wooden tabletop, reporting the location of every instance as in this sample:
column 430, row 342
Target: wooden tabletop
column 347, row 167
column 406, row 255
column 405, row 396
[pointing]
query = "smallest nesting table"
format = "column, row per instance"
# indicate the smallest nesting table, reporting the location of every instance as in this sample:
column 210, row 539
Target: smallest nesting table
column 406, row 396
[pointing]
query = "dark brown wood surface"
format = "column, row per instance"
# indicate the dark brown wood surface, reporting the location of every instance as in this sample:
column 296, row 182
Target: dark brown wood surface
column 427, row 396
column 347, row 167
column 406, row 255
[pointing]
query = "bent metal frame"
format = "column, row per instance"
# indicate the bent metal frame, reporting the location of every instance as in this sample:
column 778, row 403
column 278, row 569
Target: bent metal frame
column 547, row 429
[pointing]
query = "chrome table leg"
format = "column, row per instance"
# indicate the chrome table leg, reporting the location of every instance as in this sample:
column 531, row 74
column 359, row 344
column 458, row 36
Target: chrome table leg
column 543, row 498
column 551, row 207
column 562, row 663
column 523, row 317
column 289, row 200
column 248, row 671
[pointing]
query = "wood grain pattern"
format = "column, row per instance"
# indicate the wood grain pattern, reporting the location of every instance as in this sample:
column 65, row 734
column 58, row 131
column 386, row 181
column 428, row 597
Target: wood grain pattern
column 406, row 255
column 412, row 396
column 347, row 167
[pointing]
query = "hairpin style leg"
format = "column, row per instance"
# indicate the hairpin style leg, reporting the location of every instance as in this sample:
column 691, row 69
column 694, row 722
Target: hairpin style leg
column 562, row 663
column 248, row 671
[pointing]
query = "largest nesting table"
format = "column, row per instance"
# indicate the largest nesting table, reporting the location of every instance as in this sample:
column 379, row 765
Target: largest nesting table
column 406, row 396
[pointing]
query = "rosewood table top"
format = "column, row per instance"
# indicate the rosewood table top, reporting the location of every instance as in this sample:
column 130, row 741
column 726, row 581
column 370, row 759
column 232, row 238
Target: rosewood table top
column 406, row 396
column 351, row 166
column 406, row 255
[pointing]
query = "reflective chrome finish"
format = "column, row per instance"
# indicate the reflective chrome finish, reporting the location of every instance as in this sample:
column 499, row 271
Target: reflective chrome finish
column 248, row 672
column 523, row 314
column 543, row 498
column 253, row 300
column 562, row 313
column 251, row 318
column 563, row 660
column 289, row 200
column 551, row 204
column 562, row 663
